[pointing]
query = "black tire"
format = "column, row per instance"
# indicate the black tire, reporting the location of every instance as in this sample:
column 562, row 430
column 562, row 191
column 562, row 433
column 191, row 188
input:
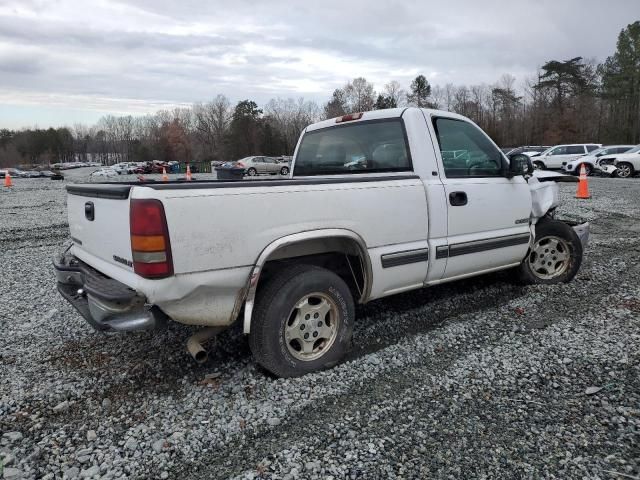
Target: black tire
column 539, row 165
column 626, row 167
column 252, row 171
column 284, row 171
column 546, row 229
column 275, row 303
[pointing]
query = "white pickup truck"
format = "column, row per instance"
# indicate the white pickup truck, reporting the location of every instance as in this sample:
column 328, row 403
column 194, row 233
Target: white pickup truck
column 378, row 203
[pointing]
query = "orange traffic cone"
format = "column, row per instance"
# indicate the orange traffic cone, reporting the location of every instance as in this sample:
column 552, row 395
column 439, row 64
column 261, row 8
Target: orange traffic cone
column 188, row 173
column 7, row 180
column 583, row 184
column 165, row 177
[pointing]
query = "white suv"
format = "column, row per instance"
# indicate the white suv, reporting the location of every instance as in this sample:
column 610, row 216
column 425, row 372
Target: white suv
column 591, row 162
column 628, row 164
column 558, row 156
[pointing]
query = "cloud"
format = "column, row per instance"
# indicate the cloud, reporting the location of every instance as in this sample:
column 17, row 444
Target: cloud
column 125, row 56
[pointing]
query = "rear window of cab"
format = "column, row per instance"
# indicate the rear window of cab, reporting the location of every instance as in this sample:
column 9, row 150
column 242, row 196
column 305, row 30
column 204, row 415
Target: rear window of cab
column 372, row 146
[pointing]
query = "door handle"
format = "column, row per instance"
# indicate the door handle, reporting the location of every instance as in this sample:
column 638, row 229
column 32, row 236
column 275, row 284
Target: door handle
column 458, row 199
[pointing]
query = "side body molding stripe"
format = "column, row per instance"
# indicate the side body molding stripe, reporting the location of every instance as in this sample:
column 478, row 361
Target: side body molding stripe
column 405, row 257
column 477, row 246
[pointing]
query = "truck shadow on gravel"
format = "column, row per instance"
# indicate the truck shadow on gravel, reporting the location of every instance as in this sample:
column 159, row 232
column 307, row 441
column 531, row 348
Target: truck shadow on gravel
column 423, row 310
column 156, row 362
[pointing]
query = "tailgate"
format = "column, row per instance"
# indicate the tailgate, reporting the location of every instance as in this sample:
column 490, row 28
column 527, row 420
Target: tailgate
column 99, row 222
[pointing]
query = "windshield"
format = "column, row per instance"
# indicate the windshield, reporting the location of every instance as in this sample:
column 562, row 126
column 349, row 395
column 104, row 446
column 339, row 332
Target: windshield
column 598, row 151
column 546, row 152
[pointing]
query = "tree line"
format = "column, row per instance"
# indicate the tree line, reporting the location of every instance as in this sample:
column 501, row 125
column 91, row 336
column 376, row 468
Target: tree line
column 574, row 100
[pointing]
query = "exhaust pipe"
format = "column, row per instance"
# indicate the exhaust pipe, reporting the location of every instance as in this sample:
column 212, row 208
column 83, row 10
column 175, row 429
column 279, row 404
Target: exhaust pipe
column 196, row 341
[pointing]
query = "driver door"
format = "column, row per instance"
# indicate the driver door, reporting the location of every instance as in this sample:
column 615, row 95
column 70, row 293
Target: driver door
column 488, row 213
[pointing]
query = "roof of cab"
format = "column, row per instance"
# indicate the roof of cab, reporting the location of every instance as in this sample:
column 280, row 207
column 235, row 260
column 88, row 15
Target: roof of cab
column 380, row 114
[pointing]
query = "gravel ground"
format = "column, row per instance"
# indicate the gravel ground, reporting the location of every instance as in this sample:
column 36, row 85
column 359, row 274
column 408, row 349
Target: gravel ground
column 480, row 378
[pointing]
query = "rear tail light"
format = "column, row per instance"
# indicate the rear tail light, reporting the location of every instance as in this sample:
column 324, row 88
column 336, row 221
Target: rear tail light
column 240, row 164
column 150, row 245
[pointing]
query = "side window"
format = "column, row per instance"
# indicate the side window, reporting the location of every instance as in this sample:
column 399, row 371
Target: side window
column 575, row 150
column 558, row 151
column 466, row 151
column 591, row 148
column 363, row 147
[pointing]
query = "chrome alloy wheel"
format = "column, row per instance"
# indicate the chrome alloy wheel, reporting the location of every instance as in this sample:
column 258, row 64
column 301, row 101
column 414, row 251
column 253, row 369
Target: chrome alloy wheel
column 312, row 327
column 624, row 170
column 550, row 257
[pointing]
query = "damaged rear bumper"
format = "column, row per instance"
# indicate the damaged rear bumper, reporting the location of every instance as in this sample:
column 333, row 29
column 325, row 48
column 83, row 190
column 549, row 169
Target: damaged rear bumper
column 105, row 303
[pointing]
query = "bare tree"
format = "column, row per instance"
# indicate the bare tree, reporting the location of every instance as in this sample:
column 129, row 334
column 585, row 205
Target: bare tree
column 290, row 117
column 359, row 95
column 394, row 91
column 211, row 121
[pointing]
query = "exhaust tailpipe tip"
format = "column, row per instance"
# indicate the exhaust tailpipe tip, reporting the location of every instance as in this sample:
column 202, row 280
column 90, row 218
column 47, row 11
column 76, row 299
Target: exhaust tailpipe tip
column 195, row 343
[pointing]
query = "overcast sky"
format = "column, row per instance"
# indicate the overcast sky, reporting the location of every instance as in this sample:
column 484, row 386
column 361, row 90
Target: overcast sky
column 67, row 61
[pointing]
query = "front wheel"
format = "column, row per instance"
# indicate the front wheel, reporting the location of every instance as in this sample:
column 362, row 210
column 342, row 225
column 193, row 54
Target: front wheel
column 555, row 256
column 252, row 172
column 625, row 170
column 302, row 322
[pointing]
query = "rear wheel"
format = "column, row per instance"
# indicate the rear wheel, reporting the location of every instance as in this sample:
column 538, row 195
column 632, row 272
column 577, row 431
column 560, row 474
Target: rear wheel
column 252, row 171
column 284, row 171
column 555, row 256
column 302, row 322
column 624, row 170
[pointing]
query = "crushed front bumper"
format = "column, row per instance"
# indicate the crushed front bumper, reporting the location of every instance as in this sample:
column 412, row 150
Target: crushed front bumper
column 105, row 303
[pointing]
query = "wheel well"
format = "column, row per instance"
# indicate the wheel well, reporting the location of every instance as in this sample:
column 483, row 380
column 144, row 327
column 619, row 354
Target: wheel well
column 343, row 256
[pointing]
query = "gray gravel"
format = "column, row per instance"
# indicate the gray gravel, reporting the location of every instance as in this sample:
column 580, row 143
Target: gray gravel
column 481, row 378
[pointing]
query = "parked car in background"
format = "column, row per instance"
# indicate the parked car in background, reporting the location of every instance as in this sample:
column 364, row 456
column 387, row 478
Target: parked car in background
column 262, row 165
column 57, row 175
column 627, row 164
column 157, row 166
column 16, row 172
column 591, row 161
column 557, row 157
column 105, row 172
column 124, row 168
column 530, row 151
column 47, row 173
column 33, row 174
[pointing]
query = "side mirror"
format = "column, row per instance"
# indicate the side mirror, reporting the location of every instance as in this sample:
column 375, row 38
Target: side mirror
column 520, row 164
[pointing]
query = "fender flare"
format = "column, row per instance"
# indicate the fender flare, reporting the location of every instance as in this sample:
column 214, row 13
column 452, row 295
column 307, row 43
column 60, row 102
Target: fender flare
column 254, row 277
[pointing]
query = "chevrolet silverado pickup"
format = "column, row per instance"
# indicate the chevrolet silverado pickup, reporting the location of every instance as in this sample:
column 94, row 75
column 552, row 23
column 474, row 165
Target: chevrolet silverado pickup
column 377, row 203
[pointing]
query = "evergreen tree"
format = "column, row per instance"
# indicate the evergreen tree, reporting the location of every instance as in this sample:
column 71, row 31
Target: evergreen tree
column 420, row 92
